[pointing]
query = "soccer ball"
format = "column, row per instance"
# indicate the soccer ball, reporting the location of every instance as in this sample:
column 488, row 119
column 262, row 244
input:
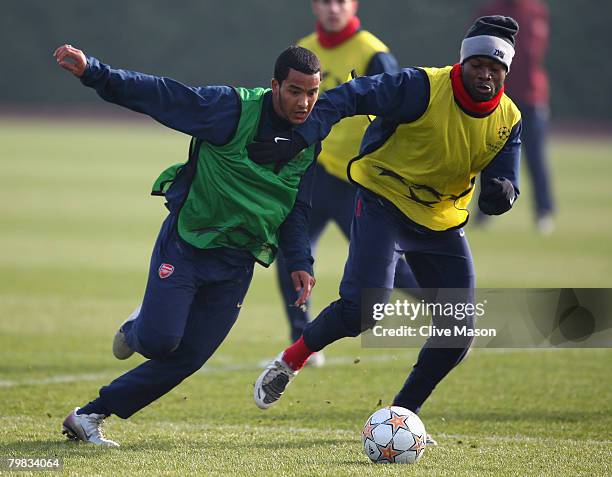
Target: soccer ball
column 394, row 435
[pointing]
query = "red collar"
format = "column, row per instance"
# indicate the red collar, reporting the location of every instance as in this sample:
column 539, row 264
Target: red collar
column 466, row 102
column 331, row 40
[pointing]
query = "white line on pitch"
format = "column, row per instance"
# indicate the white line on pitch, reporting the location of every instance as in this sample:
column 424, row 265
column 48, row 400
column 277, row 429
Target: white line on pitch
column 333, row 361
column 70, row 378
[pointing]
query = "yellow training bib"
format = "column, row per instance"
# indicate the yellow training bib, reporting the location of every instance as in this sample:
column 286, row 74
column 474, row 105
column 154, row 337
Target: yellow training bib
column 427, row 168
column 343, row 142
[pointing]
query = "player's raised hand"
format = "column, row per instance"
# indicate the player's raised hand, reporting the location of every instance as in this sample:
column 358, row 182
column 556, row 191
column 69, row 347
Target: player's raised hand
column 304, row 283
column 71, row 59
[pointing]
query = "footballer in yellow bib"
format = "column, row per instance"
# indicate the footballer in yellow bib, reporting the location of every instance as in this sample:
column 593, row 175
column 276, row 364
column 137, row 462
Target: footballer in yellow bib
column 435, row 130
column 342, row 46
column 427, row 167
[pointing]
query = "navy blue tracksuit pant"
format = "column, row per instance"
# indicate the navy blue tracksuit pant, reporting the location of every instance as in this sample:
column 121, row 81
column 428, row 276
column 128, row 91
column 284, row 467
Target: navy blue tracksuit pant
column 191, row 302
column 333, row 200
column 380, row 235
column 534, row 134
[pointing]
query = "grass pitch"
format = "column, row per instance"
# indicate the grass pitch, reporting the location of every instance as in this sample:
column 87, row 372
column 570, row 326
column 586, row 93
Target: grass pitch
column 77, row 230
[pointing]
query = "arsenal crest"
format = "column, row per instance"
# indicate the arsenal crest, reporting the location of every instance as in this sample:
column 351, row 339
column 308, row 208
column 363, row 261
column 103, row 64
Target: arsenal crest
column 165, row 270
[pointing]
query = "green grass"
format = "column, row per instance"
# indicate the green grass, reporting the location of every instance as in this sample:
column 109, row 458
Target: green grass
column 77, row 227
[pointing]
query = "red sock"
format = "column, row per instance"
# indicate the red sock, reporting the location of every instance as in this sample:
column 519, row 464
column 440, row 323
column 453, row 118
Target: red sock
column 297, row 354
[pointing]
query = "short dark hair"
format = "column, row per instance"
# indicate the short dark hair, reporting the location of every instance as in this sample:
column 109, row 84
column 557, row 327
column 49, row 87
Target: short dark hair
column 297, row 58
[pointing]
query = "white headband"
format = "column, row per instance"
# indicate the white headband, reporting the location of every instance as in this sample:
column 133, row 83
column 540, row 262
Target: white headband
column 486, row 45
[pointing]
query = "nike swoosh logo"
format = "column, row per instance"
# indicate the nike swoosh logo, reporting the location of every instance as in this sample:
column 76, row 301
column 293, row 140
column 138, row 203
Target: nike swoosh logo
column 85, row 433
column 239, row 305
column 277, row 139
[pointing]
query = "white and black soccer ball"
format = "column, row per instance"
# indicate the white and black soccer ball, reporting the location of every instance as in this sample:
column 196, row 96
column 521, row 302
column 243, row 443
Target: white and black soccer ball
column 394, row 435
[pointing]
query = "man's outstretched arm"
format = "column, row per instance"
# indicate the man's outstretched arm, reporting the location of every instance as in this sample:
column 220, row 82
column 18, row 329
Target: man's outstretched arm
column 210, row 113
column 399, row 98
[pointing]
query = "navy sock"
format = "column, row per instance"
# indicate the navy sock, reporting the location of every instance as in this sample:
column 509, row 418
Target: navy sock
column 95, row 407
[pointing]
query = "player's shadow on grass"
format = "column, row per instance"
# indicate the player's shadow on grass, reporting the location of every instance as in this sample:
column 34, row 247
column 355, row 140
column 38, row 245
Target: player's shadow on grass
column 48, row 448
column 531, row 415
column 363, row 462
column 301, row 444
column 170, row 443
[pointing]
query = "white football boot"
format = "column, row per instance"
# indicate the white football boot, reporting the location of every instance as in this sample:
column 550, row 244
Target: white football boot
column 316, row 360
column 545, row 224
column 86, row 428
column 271, row 384
column 430, row 441
column 121, row 350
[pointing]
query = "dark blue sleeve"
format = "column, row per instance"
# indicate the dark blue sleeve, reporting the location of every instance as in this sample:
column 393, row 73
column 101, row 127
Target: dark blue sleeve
column 382, row 63
column 210, row 113
column 506, row 163
column 400, row 98
column 293, row 238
